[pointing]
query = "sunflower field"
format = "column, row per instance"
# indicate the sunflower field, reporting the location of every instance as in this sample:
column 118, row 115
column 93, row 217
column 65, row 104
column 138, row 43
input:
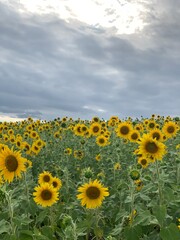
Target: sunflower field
column 90, row 179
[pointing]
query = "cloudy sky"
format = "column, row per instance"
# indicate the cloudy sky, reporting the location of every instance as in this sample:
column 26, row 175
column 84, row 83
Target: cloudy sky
column 88, row 58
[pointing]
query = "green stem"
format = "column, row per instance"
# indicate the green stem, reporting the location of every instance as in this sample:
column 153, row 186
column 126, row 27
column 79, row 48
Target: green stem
column 11, row 212
column 132, row 202
column 159, row 184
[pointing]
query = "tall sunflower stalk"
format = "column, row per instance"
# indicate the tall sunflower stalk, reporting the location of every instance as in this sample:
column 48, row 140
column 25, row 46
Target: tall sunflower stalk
column 159, row 183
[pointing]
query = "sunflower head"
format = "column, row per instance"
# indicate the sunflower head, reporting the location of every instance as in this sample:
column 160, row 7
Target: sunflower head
column 151, row 148
column 56, row 183
column 92, row 194
column 45, row 177
column 12, row 164
column 134, row 174
column 45, row 195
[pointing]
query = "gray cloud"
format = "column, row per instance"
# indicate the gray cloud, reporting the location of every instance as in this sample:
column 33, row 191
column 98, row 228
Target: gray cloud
column 51, row 68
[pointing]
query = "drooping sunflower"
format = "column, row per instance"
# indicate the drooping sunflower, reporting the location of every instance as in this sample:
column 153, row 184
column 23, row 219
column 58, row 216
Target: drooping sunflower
column 56, row 183
column 170, row 129
column 45, row 195
column 117, row 166
column 98, row 157
column 45, row 177
column 151, row 148
column 12, row 164
column 78, row 154
column 92, row 194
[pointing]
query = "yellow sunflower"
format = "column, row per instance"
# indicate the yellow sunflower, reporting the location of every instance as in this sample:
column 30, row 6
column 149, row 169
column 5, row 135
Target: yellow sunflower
column 45, row 177
column 151, row 148
column 134, row 135
column 102, row 141
column 123, row 129
column 45, row 195
column 95, row 128
column 56, row 183
column 92, row 194
column 68, row 151
column 78, row 154
column 151, row 124
column 157, row 134
column 98, row 157
column 170, row 129
column 35, row 148
column 11, row 164
column 144, row 162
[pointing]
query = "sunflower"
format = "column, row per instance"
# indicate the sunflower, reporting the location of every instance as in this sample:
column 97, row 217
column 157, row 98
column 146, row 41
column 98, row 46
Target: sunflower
column 157, row 134
column 45, row 195
column 117, row 166
column 144, row 162
column 68, row 151
column 95, row 119
column 78, row 154
column 92, row 194
column 134, row 135
column 45, row 177
column 56, row 183
column 95, row 128
column 170, row 129
column 139, row 184
column 151, row 124
column 11, row 164
column 151, row 148
column 35, row 148
column 123, row 130
column 33, row 134
column 102, row 141
column 2, row 147
column 77, row 129
column 98, row 157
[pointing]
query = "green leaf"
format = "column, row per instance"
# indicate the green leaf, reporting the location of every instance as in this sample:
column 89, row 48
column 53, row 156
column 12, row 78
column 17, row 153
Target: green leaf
column 4, row 226
column 48, row 232
column 144, row 218
column 117, row 230
column 170, row 233
column 160, row 213
column 133, row 233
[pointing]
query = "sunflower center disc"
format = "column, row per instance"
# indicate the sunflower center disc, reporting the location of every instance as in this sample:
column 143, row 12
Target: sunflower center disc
column 134, row 136
column 95, row 129
column 11, row 163
column 54, row 184
column 151, row 125
column 151, row 147
column 156, row 135
column 124, row 130
column 46, row 178
column 101, row 140
column 46, row 195
column 93, row 192
column 170, row 129
column 143, row 162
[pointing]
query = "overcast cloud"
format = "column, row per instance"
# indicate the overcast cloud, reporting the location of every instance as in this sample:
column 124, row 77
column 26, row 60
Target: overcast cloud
column 51, row 67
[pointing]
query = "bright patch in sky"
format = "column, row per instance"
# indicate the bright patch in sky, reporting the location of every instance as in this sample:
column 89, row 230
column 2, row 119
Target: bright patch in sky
column 125, row 17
